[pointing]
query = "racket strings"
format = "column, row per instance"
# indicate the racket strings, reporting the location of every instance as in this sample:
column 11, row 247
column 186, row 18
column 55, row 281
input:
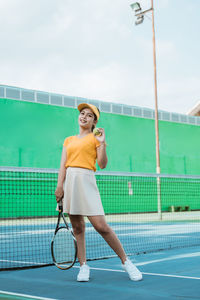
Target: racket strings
column 64, row 249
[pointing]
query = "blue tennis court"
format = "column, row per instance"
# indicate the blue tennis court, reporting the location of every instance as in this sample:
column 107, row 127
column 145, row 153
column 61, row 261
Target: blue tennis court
column 24, row 244
column 168, row 274
column 160, row 236
column 172, row 274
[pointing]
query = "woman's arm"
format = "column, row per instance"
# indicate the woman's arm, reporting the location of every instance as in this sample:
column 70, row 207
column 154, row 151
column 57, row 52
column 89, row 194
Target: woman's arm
column 102, row 158
column 59, row 192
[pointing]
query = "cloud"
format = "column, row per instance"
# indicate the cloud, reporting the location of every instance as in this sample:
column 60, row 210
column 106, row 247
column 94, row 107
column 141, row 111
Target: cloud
column 178, row 94
column 92, row 49
column 166, row 49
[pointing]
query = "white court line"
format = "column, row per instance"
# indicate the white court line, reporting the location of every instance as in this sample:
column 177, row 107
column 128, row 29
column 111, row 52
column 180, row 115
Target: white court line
column 25, row 295
column 153, row 274
column 173, row 257
column 22, row 262
column 168, row 275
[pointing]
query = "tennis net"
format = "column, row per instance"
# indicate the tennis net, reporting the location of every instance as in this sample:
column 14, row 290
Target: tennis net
column 148, row 213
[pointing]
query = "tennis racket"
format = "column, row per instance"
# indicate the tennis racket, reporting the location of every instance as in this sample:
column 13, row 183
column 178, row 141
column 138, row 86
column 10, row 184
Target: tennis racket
column 63, row 245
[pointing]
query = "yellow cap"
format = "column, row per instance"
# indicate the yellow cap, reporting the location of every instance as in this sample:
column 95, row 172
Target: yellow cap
column 91, row 106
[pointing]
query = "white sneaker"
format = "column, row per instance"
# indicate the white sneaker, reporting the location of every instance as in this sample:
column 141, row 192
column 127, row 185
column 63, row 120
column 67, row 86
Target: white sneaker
column 84, row 273
column 132, row 271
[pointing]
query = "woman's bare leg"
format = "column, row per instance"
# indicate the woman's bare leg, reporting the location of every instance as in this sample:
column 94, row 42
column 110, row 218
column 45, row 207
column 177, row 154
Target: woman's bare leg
column 100, row 225
column 78, row 225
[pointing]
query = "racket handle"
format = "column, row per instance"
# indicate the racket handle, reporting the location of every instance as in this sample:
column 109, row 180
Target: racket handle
column 60, row 205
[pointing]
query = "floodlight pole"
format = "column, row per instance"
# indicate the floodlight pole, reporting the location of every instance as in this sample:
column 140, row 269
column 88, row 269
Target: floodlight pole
column 156, row 95
column 156, row 117
column 138, row 14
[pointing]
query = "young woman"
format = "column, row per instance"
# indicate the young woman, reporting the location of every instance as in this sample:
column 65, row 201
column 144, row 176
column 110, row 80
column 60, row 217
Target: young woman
column 80, row 193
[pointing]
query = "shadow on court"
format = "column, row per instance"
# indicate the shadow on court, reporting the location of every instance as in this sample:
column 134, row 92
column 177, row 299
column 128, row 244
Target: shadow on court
column 173, row 274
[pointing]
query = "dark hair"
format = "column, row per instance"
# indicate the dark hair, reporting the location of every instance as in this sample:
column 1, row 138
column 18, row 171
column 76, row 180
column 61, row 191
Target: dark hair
column 95, row 118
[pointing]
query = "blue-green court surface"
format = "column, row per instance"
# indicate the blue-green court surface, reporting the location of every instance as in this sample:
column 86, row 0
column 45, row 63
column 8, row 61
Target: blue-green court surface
column 172, row 274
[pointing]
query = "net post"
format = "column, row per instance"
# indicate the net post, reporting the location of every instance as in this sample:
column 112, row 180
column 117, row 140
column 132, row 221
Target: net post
column 159, row 204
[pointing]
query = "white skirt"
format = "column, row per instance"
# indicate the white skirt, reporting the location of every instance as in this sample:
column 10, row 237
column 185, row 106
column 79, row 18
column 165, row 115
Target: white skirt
column 81, row 194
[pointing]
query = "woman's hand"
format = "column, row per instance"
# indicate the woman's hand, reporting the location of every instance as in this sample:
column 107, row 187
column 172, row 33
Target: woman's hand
column 59, row 193
column 101, row 138
column 102, row 159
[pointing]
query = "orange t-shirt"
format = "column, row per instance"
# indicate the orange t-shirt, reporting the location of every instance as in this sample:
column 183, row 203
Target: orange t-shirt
column 81, row 152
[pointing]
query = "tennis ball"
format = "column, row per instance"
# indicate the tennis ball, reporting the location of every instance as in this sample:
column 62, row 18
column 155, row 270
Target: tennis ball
column 96, row 132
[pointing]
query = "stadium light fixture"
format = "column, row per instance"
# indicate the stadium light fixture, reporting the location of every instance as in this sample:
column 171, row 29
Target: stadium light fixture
column 138, row 12
column 135, row 6
column 139, row 20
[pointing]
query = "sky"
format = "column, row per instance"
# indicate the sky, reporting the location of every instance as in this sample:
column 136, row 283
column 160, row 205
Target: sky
column 92, row 49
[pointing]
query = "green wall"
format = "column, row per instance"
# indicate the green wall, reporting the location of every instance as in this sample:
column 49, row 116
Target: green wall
column 32, row 135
